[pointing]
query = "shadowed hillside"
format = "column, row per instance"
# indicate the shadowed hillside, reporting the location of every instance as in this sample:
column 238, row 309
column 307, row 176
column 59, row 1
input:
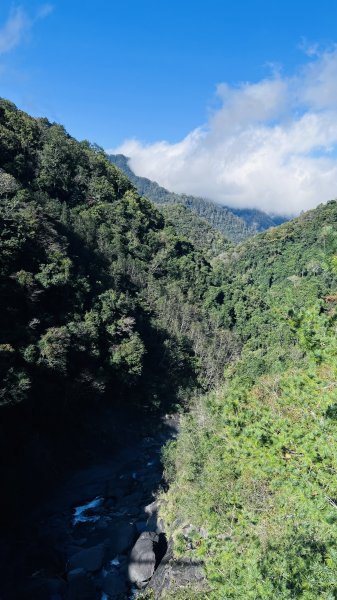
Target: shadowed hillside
column 101, row 298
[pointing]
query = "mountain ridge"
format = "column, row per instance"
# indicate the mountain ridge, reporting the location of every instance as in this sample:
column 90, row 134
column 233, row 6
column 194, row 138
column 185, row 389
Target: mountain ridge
column 235, row 224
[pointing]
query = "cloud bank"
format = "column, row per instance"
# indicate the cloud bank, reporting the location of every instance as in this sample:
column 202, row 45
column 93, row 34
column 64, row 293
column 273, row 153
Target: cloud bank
column 18, row 25
column 271, row 145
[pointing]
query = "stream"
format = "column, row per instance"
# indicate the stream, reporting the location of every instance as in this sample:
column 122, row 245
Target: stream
column 97, row 537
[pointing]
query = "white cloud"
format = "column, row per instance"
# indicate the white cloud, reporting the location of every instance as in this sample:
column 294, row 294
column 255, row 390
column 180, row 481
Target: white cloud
column 13, row 31
column 271, row 144
column 44, row 11
column 18, row 25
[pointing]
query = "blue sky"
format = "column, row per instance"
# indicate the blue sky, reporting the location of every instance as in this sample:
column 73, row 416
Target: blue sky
column 149, row 71
column 113, row 69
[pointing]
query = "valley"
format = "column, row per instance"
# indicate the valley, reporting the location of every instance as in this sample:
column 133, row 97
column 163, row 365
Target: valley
column 168, row 392
column 77, row 542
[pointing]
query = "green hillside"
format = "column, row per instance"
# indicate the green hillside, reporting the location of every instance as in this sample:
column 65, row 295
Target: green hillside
column 83, row 259
column 253, row 470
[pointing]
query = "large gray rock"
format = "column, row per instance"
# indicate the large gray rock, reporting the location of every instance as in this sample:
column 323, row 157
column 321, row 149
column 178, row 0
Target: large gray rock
column 142, row 559
column 90, row 559
column 152, row 509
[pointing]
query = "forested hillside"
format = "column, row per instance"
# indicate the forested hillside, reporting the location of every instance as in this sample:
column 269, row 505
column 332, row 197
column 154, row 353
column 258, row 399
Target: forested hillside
column 253, row 472
column 87, row 267
column 101, row 299
column 107, row 301
column 234, row 224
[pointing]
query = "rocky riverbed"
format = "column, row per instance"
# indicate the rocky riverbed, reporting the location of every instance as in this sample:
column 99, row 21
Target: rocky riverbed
column 99, row 536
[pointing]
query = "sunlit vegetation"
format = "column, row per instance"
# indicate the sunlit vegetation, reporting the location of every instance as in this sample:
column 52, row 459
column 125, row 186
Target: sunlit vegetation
column 254, row 467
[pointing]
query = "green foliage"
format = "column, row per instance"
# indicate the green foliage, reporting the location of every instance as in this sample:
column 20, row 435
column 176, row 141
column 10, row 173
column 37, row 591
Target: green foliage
column 53, row 346
column 8, row 185
column 195, row 229
column 56, row 271
column 128, row 355
column 254, row 467
column 15, row 386
column 99, row 294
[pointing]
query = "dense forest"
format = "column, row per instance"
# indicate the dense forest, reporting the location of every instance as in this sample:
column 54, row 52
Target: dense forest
column 102, row 299
column 107, row 301
column 234, row 224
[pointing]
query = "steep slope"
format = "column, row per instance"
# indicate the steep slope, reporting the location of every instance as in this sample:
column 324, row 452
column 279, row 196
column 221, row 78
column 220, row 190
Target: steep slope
column 76, row 235
column 249, row 221
column 252, row 474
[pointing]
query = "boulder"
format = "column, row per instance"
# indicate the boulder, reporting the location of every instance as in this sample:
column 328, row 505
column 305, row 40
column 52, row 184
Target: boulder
column 142, row 559
column 117, row 537
column 114, row 585
column 151, row 509
column 90, row 559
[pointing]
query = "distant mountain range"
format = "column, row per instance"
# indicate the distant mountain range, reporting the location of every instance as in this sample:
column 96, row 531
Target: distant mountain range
column 234, row 224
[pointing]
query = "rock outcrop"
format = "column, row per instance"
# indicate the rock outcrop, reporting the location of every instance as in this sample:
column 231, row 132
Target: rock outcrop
column 173, row 574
